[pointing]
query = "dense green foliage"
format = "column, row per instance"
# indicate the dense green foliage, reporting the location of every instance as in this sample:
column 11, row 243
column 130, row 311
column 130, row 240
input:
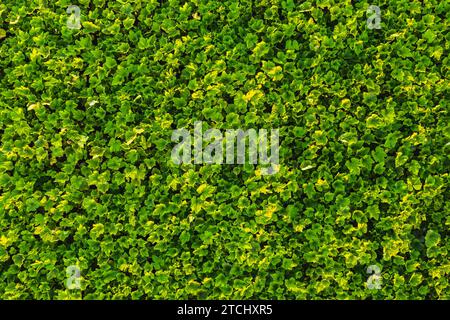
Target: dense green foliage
column 86, row 179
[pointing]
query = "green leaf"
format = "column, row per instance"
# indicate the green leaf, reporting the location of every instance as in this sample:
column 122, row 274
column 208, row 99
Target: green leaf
column 432, row 238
